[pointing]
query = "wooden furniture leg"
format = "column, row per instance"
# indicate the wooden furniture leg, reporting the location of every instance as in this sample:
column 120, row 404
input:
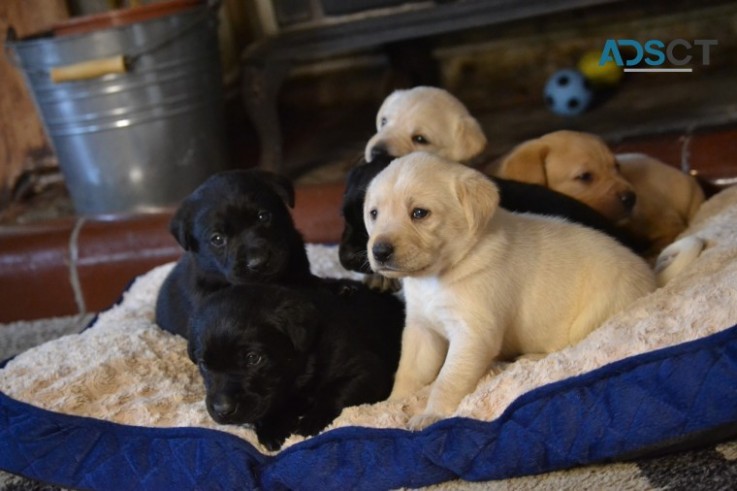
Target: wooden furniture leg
column 262, row 81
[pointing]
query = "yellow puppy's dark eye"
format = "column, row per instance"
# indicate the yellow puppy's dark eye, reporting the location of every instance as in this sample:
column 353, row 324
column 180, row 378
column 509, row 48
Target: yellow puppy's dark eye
column 419, row 213
column 218, row 240
column 585, row 177
column 420, row 139
column 373, row 213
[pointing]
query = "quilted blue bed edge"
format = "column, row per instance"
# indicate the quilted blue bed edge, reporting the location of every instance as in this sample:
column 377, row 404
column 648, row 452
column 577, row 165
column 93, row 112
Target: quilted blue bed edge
column 629, row 407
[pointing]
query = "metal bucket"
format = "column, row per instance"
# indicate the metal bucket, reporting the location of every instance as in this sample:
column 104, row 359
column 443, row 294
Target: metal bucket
column 141, row 139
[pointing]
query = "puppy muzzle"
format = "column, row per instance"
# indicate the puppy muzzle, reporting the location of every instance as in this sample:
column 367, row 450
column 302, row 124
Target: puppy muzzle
column 254, row 263
column 222, row 408
column 383, row 252
column 628, row 200
column 383, row 259
column 378, row 151
column 354, row 258
column 237, row 408
column 258, row 262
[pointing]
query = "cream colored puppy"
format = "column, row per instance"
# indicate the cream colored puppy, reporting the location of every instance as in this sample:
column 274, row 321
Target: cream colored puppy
column 483, row 283
column 428, row 119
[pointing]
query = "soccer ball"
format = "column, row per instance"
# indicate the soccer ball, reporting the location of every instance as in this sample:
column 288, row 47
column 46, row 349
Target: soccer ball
column 568, row 93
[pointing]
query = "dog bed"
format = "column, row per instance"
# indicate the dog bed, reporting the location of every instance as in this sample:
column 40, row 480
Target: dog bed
column 120, row 406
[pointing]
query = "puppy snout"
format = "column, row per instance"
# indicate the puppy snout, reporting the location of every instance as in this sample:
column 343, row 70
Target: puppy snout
column 382, row 251
column 378, row 151
column 257, row 262
column 628, row 199
column 222, row 407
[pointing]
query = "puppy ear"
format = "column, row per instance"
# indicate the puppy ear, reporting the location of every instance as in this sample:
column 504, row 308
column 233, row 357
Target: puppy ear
column 470, row 137
column 385, row 105
column 191, row 350
column 281, row 185
column 479, row 198
column 299, row 320
column 526, row 163
column 181, row 226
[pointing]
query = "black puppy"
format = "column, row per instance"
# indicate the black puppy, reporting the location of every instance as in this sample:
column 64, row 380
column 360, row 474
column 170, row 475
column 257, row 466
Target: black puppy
column 234, row 228
column 289, row 360
column 514, row 196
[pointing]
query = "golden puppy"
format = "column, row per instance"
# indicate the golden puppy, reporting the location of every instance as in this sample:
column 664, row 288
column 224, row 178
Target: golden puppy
column 648, row 198
column 667, row 199
column 482, row 283
column 577, row 164
column 425, row 118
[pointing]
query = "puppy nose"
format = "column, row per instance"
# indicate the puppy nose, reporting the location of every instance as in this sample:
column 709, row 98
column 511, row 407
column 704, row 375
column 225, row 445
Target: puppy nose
column 378, row 151
column 628, row 199
column 223, row 406
column 256, row 262
column 382, row 251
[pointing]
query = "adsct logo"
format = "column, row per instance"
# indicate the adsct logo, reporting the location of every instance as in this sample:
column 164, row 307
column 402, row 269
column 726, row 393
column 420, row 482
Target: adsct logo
column 654, row 53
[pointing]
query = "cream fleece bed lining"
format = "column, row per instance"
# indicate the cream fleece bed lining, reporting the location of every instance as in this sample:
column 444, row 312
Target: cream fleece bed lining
column 125, row 369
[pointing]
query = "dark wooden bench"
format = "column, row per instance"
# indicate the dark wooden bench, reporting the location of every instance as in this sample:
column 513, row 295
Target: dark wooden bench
column 266, row 63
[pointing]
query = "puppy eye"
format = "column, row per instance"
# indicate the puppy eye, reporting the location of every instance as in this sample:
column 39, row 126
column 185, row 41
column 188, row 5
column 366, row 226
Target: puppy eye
column 585, row 177
column 382, row 123
column 217, row 240
column 420, row 139
column 252, row 359
column 264, row 216
column 373, row 214
column 419, row 213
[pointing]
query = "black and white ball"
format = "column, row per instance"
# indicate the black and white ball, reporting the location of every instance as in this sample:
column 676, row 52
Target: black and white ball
column 568, row 93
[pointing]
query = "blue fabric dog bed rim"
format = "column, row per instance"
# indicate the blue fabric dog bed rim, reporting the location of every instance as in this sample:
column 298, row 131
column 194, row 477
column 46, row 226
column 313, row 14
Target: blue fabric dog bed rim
column 674, row 397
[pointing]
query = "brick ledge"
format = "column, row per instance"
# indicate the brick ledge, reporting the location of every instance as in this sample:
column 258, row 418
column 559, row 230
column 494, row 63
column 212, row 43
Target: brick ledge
column 76, row 265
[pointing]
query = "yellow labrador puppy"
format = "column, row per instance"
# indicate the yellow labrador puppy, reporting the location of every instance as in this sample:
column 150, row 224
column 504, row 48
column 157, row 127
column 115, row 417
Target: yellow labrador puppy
column 428, row 119
column 647, row 197
column 667, row 199
column 578, row 164
column 483, row 283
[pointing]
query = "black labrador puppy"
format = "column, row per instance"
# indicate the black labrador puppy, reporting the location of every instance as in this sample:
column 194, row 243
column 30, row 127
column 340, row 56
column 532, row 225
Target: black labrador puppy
column 514, row 196
column 288, row 360
column 234, row 228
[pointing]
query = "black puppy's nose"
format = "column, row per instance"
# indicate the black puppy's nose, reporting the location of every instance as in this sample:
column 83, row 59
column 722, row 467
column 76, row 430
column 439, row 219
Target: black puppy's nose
column 382, row 251
column 628, row 199
column 223, row 406
column 378, row 151
column 256, row 262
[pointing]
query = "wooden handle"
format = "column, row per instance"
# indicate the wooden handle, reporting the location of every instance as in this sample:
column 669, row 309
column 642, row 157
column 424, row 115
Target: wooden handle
column 88, row 69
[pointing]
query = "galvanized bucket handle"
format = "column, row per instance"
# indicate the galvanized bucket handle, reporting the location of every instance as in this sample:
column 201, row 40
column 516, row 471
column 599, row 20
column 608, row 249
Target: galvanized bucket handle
column 113, row 64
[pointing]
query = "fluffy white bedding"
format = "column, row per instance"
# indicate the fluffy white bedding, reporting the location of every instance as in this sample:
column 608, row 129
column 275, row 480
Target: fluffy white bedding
column 125, row 369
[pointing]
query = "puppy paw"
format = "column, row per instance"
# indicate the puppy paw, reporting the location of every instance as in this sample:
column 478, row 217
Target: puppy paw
column 382, row 283
column 313, row 424
column 271, row 438
column 347, row 290
column 272, row 443
column 423, row 420
column 400, row 394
